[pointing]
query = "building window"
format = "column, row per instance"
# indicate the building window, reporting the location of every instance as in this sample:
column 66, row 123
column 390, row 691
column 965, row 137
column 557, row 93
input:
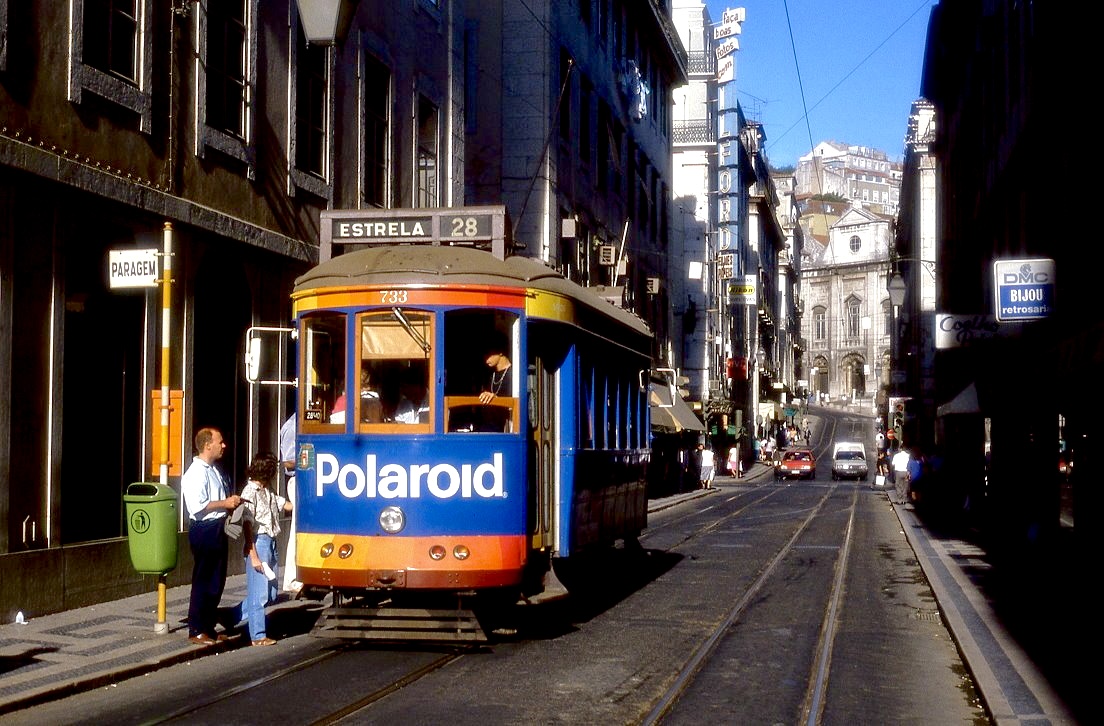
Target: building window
column 110, row 45
column 311, row 122
column 472, row 74
column 311, row 110
column 662, row 108
column 586, row 157
column 856, row 243
column 602, row 160
column 426, row 154
column 227, row 55
column 603, row 23
column 226, row 74
column 617, row 29
column 377, row 115
column 820, row 324
column 853, row 309
column 887, row 318
column 111, row 37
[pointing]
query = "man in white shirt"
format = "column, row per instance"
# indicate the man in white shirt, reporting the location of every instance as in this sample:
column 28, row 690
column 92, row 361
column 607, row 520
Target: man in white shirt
column 207, row 501
column 899, row 467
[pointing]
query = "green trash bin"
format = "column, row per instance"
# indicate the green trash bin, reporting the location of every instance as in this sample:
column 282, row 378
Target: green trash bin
column 151, row 527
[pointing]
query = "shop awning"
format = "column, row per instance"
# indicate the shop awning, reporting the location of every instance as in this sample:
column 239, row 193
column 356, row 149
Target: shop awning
column 965, row 402
column 670, row 415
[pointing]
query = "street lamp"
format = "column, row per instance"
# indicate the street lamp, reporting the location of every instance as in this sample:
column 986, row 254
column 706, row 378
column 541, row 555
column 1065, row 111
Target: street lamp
column 325, row 22
column 896, row 288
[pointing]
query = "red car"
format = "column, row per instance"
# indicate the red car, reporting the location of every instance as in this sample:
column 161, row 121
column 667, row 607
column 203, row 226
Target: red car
column 796, row 462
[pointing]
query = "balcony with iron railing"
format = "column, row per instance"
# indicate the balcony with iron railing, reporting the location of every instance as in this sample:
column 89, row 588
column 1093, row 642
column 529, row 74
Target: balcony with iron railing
column 701, row 62
column 693, row 131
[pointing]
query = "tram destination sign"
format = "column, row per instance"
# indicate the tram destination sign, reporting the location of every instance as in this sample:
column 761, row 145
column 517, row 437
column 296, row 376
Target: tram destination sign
column 448, row 226
column 132, row 268
column 1024, row 289
column 413, row 228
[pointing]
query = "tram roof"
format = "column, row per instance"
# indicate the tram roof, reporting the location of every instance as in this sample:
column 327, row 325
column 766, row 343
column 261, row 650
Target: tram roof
column 453, row 265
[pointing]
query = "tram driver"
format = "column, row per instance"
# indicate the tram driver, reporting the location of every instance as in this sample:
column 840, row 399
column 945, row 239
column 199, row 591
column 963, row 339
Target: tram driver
column 499, row 363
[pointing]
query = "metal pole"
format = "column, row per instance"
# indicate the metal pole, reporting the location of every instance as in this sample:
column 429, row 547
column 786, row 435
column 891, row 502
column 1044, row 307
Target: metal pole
column 161, row 626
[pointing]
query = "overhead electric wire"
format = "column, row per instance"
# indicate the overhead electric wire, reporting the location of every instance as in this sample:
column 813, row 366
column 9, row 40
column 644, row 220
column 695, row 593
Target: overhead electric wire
column 860, row 64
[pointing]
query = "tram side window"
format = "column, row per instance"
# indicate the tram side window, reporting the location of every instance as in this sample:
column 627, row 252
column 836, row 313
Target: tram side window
column 625, row 410
column 639, row 413
column 323, row 381
column 617, row 413
column 600, row 410
column 395, row 355
column 586, row 406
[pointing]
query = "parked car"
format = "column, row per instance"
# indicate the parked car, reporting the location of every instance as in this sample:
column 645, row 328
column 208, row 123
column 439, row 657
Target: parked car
column 796, row 461
column 849, row 461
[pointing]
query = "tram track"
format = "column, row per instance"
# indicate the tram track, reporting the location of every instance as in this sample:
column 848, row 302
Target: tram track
column 686, row 674
column 701, row 654
column 237, row 690
column 379, row 693
column 817, row 681
column 200, row 711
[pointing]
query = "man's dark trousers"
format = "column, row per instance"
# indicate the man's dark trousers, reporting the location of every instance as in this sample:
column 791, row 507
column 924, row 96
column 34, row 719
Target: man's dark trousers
column 208, row 541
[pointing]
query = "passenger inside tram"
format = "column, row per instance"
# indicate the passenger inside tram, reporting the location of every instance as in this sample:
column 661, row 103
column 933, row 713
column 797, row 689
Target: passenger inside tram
column 413, row 406
column 371, row 407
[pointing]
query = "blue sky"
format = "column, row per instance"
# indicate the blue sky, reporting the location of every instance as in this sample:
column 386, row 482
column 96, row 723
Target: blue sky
column 859, row 60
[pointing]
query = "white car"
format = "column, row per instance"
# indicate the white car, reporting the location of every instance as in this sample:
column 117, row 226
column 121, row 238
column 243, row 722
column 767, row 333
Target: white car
column 849, row 461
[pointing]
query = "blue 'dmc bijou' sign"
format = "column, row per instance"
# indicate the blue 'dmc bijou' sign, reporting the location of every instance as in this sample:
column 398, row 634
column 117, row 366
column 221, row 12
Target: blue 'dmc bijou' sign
column 1024, row 289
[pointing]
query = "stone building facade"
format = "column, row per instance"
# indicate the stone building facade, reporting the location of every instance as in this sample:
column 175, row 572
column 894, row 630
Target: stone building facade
column 847, row 320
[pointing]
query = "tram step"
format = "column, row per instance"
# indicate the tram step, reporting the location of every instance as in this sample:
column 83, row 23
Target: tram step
column 400, row 624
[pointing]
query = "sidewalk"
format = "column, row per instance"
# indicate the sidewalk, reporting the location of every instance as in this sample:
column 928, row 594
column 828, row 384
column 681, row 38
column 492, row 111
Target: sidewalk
column 57, row 655
column 78, row 650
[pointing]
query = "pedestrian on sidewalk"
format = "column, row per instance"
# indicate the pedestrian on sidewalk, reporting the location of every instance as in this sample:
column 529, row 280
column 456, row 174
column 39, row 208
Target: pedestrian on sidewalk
column 734, row 460
column 900, row 468
column 260, row 531
column 707, row 467
column 207, row 501
column 768, row 450
column 915, row 473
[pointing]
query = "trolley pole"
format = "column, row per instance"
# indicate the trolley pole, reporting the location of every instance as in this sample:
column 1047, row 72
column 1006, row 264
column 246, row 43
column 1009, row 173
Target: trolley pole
column 161, row 627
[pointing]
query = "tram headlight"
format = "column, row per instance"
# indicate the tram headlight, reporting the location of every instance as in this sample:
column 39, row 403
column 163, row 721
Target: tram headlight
column 460, row 552
column 437, row 552
column 392, row 520
column 345, row 551
column 327, row 550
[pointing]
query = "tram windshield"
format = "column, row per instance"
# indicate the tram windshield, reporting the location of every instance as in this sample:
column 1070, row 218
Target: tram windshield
column 395, row 355
column 482, row 370
column 324, row 367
